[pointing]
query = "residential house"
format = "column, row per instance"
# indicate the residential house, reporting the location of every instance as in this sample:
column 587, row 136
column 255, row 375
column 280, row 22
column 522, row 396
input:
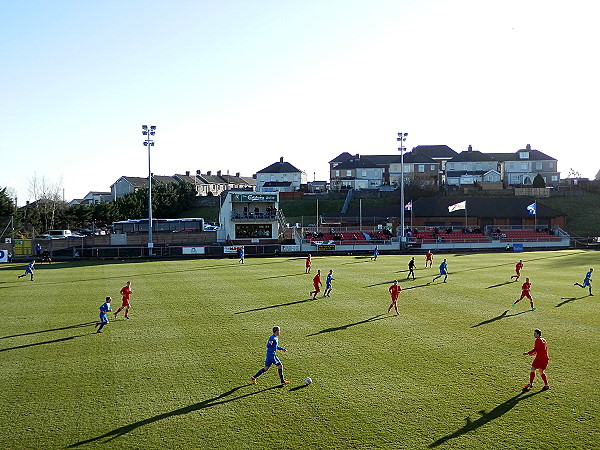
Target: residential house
column 357, row 173
column 280, row 177
column 521, row 167
column 470, row 167
column 417, row 168
column 127, row 185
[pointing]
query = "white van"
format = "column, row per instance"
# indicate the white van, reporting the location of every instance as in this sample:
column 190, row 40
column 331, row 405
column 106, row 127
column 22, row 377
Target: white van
column 59, row 234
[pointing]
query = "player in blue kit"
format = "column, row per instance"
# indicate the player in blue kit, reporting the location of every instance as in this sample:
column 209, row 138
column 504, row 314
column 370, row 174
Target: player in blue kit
column 241, row 254
column 29, row 270
column 375, row 253
column 104, row 308
column 587, row 282
column 443, row 271
column 272, row 347
column 328, row 281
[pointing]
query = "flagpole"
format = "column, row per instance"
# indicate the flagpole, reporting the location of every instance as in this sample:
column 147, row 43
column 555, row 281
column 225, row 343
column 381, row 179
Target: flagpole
column 465, row 214
column 535, row 215
column 411, row 214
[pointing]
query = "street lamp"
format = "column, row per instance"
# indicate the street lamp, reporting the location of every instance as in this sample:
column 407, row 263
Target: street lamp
column 401, row 138
column 149, row 131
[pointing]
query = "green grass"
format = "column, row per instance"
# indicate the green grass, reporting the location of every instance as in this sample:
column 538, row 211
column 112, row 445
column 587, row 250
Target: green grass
column 446, row 373
column 583, row 213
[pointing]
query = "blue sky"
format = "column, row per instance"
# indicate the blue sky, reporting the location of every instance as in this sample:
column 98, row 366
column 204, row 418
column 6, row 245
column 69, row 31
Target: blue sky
column 234, row 85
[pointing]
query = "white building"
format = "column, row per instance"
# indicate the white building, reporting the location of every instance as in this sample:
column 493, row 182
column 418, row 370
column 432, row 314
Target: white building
column 280, row 177
column 249, row 217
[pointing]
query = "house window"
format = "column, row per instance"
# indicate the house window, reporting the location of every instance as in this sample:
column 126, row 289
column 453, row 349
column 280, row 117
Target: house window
column 348, row 173
column 421, row 168
column 407, row 168
column 364, row 173
column 524, row 155
column 524, row 166
column 285, row 177
column 478, row 166
column 555, row 178
column 538, row 166
column 337, row 173
column 551, row 165
column 432, row 167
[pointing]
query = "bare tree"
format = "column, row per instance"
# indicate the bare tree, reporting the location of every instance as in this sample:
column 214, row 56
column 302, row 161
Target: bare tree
column 47, row 197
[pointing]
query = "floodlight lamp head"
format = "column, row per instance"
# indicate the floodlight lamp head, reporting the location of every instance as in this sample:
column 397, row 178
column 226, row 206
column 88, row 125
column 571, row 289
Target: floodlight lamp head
column 144, row 133
column 144, row 127
column 153, row 127
column 152, row 133
column 145, row 143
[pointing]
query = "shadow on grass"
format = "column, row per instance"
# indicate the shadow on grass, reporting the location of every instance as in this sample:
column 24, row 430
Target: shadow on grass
column 276, row 306
column 500, row 284
column 569, row 300
column 53, row 341
column 297, row 388
column 343, row 327
column 283, row 276
column 118, row 432
column 79, row 325
column 504, row 315
column 486, row 417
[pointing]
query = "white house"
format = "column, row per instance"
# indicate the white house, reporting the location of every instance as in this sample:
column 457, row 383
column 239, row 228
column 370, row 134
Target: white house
column 280, row 177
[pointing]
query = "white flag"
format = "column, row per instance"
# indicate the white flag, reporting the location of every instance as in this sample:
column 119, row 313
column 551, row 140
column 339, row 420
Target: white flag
column 457, row 206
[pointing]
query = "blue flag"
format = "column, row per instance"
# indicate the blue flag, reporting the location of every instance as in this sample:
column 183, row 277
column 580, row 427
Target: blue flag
column 408, row 206
column 532, row 209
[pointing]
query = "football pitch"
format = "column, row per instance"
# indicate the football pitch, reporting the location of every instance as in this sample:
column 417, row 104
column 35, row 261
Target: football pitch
column 447, row 373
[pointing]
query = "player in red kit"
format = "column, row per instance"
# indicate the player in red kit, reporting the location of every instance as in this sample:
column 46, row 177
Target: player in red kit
column 308, row 264
column 395, row 290
column 526, row 288
column 316, row 283
column 518, row 268
column 428, row 259
column 540, row 362
column 126, row 293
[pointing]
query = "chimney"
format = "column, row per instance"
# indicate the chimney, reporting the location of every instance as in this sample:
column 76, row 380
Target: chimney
column 528, row 147
column 237, row 174
column 357, row 156
column 198, row 172
column 187, row 173
column 208, row 173
column 281, row 159
column 470, row 148
column 218, row 173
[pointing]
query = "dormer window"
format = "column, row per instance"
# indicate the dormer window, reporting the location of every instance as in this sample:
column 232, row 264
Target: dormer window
column 524, row 155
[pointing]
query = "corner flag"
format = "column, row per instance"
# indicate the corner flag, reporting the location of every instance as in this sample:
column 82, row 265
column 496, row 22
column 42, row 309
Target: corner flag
column 532, row 209
column 458, row 206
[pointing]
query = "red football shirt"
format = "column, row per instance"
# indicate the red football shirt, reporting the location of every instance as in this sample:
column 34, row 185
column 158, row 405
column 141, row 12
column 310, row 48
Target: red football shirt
column 540, row 349
column 428, row 255
column 317, row 279
column 518, row 267
column 395, row 290
column 526, row 286
column 308, row 262
column 126, row 292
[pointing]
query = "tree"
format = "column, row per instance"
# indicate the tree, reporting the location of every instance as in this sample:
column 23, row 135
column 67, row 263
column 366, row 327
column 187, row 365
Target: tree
column 47, row 198
column 538, row 181
column 7, row 205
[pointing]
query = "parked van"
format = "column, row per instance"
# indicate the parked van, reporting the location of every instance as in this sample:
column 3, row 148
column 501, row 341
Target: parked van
column 59, row 234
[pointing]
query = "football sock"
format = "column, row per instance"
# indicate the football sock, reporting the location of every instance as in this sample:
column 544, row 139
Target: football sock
column 531, row 376
column 101, row 326
column 280, row 371
column 544, row 378
column 259, row 373
column 531, row 303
